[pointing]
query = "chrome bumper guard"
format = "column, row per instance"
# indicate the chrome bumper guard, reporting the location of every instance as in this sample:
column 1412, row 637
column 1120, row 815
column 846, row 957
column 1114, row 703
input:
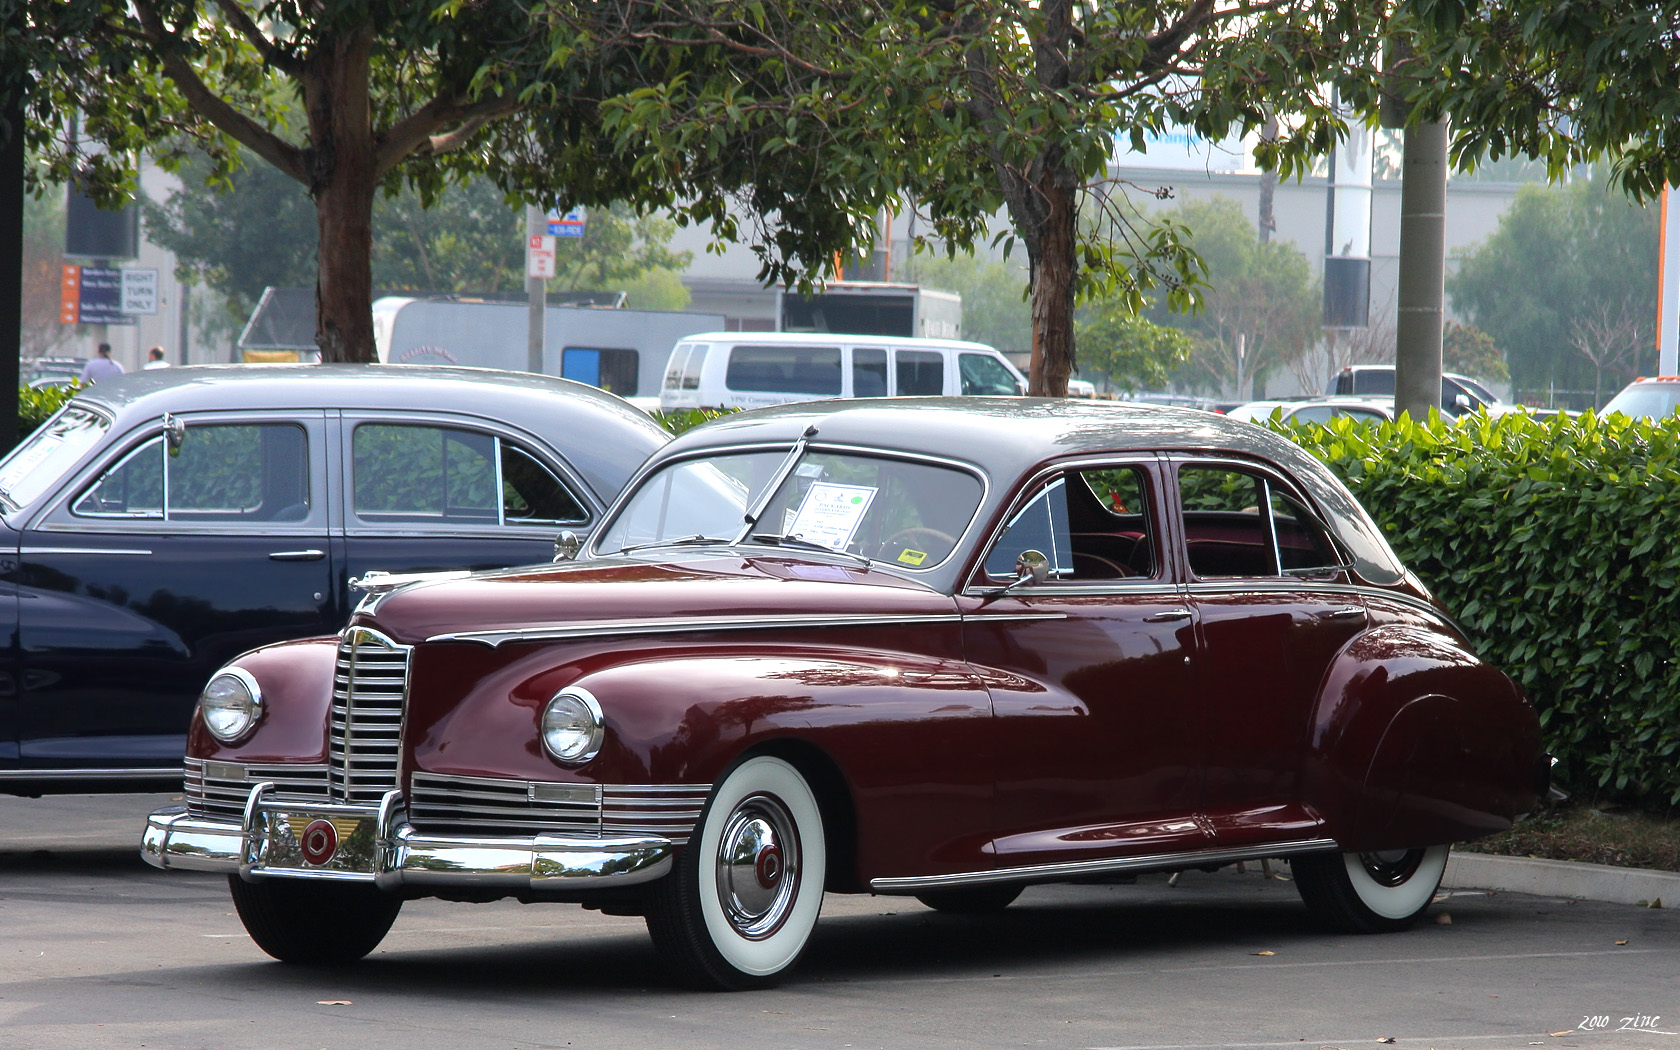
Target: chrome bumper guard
column 289, row 838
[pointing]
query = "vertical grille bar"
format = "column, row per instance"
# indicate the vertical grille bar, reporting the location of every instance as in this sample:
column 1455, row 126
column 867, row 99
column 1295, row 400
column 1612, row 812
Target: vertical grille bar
column 364, row 744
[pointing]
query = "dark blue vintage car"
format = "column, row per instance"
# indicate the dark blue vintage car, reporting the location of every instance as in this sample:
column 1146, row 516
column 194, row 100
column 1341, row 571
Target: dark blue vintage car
column 168, row 520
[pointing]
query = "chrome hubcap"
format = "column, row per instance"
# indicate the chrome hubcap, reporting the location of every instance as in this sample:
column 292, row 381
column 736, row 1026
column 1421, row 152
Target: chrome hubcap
column 1391, row 867
column 758, row 867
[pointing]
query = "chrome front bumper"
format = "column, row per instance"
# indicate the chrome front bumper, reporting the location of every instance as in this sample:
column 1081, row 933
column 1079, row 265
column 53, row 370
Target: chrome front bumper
column 289, row 838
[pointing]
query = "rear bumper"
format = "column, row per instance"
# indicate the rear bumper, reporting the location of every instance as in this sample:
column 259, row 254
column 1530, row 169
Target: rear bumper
column 284, row 838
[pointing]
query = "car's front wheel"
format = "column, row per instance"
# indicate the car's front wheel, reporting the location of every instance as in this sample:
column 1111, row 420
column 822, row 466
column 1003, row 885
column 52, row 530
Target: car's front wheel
column 313, row 922
column 1375, row 892
column 740, row 905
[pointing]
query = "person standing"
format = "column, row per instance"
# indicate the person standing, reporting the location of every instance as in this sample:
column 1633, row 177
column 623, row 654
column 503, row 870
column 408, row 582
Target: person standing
column 154, row 358
column 101, row 367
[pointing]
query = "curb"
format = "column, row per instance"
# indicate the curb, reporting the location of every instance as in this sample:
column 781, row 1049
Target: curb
column 1561, row 878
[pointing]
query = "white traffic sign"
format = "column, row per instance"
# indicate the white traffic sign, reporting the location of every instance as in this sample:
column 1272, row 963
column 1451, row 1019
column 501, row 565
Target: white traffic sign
column 139, row 291
column 539, row 256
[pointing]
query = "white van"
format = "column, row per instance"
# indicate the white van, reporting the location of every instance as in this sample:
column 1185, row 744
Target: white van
column 754, row 369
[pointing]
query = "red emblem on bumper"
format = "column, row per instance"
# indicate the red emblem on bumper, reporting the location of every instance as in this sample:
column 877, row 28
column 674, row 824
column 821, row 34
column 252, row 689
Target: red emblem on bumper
column 320, row 841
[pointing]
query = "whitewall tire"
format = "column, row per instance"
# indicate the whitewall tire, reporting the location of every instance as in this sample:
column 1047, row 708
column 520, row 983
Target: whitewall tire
column 1370, row 892
column 739, row 907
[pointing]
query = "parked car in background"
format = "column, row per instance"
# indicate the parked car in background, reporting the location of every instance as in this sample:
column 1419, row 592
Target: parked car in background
column 1459, row 394
column 1650, row 398
column 165, row 521
column 754, row 369
column 1317, row 409
column 39, row 372
column 935, row 647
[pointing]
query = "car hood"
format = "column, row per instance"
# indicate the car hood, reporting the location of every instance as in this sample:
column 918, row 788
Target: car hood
column 703, row 591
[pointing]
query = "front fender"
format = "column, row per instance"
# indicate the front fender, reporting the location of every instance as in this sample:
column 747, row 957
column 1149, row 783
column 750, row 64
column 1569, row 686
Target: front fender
column 1416, row 742
column 296, row 679
column 908, row 735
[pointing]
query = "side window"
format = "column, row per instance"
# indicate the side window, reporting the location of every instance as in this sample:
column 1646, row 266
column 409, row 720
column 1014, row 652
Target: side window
column 982, row 374
column 423, row 474
column 615, row 371
column 919, row 372
column 785, row 369
column 869, row 372
column 674, row 367
column 224, row 472
column 131, row 489
column 1040, row 526
column 531, row 494
column 1238, row 523
column 1093, row 524
column 428, row 474
column 691, row 367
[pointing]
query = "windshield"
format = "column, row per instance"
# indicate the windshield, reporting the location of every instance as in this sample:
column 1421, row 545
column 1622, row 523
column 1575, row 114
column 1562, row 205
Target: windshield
column 907, row 512
column 34, row 466
column 1653, row 400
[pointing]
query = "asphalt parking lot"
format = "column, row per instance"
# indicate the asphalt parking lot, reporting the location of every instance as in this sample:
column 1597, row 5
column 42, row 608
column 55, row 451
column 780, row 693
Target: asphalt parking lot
column 97, row 949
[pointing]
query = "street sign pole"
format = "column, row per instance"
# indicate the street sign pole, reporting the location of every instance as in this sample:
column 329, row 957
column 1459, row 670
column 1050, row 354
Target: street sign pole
column 536, row 289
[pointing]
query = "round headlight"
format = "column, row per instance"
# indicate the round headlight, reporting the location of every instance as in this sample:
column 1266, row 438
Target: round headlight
column 231, row 704
column 572, row 728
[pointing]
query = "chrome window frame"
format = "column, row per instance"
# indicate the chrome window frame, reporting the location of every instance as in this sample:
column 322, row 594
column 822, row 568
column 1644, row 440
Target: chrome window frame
column 981, row 583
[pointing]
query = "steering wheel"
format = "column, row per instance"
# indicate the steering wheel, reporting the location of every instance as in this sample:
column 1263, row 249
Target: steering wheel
column 920, row 533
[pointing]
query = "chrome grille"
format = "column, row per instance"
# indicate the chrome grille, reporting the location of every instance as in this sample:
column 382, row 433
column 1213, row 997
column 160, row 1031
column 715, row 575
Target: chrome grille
column 365, row 738
column 221, row 788
column 458, row 805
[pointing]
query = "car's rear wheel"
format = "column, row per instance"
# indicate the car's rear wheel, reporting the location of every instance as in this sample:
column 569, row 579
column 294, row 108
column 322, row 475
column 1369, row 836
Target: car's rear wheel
column 1370, row 892
column 311, row 922
column 739, row 907
column 971, row 900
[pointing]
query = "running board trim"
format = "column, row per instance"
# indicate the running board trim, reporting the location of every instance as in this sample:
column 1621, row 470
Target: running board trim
column 1080, row 869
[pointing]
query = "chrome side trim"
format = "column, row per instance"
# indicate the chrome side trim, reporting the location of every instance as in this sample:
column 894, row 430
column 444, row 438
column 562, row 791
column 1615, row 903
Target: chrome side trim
column 1235, row 586
column 676, row 625
column 26, row 551
column 120, row 773
column 1081, row 868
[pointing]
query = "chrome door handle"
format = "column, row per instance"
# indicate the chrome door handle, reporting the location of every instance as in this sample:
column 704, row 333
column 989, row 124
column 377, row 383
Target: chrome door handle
column 1169, row 616
column 1341, row 614
column 308, row 555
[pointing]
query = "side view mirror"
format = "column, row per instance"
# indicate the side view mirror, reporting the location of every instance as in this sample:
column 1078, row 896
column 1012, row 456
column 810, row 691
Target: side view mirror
column 567, row 545
column 174, row 432
column 1462, row 403
column 1031, row 567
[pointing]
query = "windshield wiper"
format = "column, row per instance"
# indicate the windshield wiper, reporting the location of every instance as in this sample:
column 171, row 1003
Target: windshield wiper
column 809, row 545
column 686, row 541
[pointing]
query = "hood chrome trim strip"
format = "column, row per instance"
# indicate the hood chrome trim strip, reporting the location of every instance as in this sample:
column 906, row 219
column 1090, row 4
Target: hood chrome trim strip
column 679, row 625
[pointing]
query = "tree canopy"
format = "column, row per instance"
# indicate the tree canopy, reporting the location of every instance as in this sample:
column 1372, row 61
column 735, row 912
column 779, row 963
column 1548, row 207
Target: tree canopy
column 469, row 240
column 342, row 96
column 968, row 108
column 1261, row 299
column 1562, row 81
column 1562, row 258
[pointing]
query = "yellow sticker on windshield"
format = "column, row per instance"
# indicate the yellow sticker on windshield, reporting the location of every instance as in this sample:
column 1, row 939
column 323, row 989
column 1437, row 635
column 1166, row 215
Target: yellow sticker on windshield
column 910, row 557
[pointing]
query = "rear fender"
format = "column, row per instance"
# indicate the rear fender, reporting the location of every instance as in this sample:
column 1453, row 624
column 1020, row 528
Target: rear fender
column 1416, row 742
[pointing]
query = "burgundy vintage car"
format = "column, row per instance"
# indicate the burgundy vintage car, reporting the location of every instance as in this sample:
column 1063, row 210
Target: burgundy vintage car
column 944, row 648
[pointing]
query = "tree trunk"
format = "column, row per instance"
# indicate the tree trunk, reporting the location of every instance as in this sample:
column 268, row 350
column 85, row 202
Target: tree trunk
column 343, row 178
column 1052, row 250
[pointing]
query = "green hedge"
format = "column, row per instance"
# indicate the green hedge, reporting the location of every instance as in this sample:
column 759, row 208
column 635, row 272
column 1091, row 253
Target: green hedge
column 1553, row 543
column 37, row 406
column 677, row 420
